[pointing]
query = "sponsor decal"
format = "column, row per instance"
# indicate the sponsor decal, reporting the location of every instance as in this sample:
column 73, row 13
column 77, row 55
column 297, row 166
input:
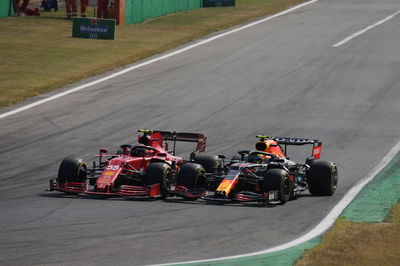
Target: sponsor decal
column 262, row 168
column 93, row 29
column 294, row 140
column 108, row 173
column 317, row 152
column 104, row 179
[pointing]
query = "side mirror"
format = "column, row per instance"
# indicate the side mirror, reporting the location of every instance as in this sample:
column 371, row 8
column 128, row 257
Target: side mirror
column 192, row 156
column 162, row 154
column 103, row 151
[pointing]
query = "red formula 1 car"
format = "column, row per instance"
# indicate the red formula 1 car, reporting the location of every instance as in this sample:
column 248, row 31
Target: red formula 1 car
column 262, row 175
column 148, row 169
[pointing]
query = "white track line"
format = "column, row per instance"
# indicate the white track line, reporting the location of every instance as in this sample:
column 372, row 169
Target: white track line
column 326, row 223
column 119, row 73
column 365, row 30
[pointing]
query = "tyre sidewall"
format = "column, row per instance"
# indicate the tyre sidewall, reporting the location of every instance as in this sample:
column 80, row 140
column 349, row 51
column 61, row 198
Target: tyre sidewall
column 72, row 170
column 211, row 163
column 278, row 179
column 159, row 173
column 191, row 175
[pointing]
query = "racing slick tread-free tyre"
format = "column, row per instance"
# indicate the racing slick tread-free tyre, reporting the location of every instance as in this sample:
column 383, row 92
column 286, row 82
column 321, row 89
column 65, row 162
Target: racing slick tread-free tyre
column 159, row 172
column 72, row 170
column 191, row 176
column 322, row 178
column 211, row 163
column 278, row 179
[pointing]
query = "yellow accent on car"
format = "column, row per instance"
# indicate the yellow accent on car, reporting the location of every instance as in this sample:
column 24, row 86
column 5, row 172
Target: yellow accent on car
column 145, row 131
column 226, row 186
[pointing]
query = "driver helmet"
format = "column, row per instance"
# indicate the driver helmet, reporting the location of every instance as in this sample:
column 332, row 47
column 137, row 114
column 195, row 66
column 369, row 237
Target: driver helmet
column 138, row 152
column 255, row 158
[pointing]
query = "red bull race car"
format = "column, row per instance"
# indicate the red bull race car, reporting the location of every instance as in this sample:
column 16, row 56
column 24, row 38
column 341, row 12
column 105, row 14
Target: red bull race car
column 263, row 175
column 148, row 169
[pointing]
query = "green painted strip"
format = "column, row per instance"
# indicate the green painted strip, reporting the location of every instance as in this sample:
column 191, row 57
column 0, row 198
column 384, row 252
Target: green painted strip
column 374, row 202
column 371, row 205
column 284, row 257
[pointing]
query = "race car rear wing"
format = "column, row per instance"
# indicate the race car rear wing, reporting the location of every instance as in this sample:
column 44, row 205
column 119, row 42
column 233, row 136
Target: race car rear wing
column 199, row 138
column 186, row 137
column 287, row 141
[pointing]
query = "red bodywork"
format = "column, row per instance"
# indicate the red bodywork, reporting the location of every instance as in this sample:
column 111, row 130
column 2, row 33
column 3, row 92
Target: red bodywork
column 132, row 167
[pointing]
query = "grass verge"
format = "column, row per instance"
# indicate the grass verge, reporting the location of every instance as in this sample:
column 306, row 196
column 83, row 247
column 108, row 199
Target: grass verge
column 368, row 233
column 355, row 243
column 39, row 54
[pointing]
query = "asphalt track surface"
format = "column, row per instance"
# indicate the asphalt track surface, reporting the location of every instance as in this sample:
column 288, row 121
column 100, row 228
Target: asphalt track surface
column 282, row 77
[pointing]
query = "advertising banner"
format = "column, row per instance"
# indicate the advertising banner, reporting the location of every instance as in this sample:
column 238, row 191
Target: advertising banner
column 93, row 28
column 218, row 3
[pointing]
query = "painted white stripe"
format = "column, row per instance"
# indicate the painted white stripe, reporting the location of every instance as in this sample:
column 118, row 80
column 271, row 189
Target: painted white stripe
column 365, row 30
column 189, row 47
column 326, row 223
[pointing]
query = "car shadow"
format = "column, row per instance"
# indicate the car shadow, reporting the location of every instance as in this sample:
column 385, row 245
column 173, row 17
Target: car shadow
column 221, row 204
column 92, row 197
column 173, row 200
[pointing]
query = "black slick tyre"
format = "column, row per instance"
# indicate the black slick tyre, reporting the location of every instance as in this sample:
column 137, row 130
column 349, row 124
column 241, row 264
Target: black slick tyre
column 278, row 179
column 322, row 178
column 191, row 176
column 72, row 170
column 159, row 173
column 211, row 163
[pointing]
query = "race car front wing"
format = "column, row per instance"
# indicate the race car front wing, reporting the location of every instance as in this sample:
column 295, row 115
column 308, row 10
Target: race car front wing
column 270, row 197
column 123, row 190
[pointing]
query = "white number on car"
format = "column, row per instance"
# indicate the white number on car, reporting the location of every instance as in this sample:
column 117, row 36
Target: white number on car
column 112, row 167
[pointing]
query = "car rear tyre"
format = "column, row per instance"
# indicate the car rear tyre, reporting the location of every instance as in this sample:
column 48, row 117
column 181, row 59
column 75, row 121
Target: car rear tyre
column 160, row 173
column 322, row 178
column 191, row 175
column 211, row 163
column 278, row 179
column 72, row 170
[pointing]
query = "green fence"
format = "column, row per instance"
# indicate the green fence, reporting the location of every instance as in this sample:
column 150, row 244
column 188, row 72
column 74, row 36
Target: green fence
column 139, row 10
column 6, row 8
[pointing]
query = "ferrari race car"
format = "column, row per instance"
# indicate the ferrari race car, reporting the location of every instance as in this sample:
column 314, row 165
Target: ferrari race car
column 148, row 169
column 262, row 175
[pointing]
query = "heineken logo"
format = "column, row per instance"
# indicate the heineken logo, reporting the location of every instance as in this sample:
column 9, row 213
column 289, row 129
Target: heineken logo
column 96, row 29
column 93, row 28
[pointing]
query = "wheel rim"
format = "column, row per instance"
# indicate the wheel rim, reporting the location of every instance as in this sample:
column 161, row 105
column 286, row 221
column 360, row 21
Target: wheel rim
column 334, row 178
column 286, row 186
column 167, row 180
column 285, row 189
column 199, row 180
column 82, row 172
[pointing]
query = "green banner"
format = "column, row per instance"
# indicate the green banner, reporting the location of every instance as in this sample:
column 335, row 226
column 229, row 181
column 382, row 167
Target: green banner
column 137, row 11
column 6, row 8
column 93, row 28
